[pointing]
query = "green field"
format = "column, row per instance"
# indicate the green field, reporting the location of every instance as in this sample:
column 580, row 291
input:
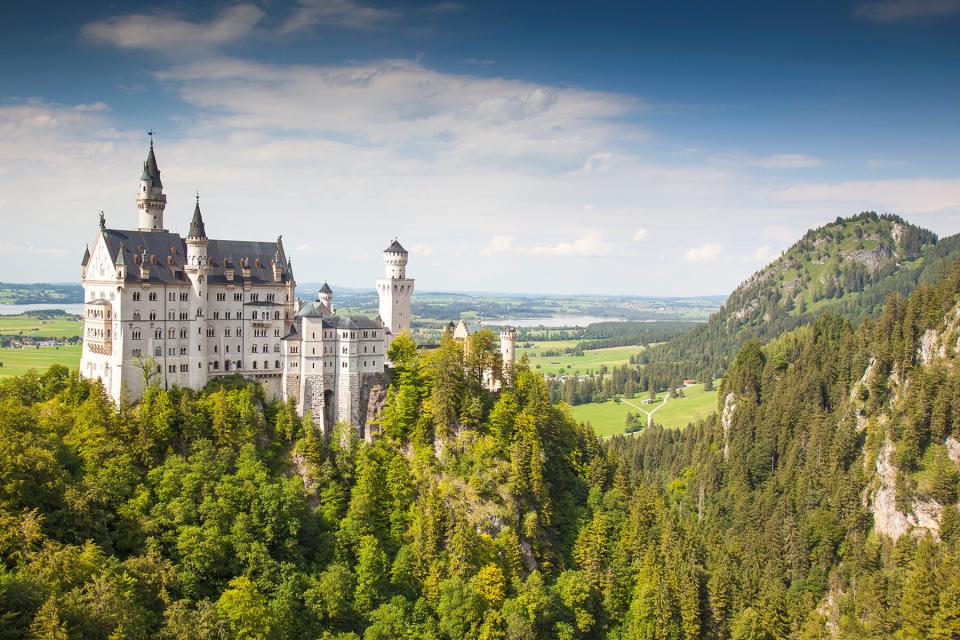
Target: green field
column 18, row 361
column 61, row 327
column 589, row 361
column 609, row 418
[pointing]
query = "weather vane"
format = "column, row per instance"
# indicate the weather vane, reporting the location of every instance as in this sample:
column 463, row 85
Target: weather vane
column 150, row 133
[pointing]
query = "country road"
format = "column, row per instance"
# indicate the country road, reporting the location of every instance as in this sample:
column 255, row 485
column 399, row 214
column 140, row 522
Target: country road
column 652, row 411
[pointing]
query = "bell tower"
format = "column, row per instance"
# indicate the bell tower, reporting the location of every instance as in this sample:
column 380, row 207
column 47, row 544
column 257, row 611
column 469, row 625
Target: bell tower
column 151, row 200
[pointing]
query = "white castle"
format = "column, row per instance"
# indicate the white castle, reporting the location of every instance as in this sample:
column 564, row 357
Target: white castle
column 181, row 312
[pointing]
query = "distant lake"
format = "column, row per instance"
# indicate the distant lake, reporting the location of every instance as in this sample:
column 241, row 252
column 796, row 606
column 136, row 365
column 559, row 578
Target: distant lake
column 549, row 321
column 17, row 309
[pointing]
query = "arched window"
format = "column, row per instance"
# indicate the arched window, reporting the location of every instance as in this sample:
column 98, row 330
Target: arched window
column 253, row 316
column 254, row 364
column 216, row 364
column 136, row 315
column 276, row 364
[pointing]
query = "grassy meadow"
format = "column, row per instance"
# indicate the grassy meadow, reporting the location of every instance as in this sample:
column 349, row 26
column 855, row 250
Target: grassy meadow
column 609, row 418
column 590, row 360
column 17, row 361
column 29, row 325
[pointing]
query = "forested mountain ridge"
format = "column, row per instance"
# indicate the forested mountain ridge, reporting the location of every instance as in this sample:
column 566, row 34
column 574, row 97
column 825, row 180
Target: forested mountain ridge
column 847, row 267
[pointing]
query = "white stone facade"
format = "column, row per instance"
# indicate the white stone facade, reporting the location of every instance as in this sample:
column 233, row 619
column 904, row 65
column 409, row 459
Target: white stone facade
column 183, row 311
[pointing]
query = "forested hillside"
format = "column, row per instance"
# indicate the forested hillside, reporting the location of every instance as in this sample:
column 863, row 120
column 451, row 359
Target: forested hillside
column 820, row 502
column 848, row 268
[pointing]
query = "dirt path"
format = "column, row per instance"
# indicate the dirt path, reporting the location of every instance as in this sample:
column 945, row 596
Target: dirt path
column 650, row 413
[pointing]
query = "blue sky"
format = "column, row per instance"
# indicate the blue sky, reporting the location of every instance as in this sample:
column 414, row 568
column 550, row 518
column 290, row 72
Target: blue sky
column 638, row 148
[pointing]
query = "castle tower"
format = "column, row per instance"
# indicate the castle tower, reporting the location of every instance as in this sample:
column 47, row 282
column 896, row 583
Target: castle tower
column 508, row 353
column 151, row 200
column 325, row 296
column 196, row 269
column 395, row 290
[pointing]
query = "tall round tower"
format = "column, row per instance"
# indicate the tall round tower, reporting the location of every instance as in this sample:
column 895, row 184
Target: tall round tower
column 508, row 353
column 395, row 290
column 151, row 200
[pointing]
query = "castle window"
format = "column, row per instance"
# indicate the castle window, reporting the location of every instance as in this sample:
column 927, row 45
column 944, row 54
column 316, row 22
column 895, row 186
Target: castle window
column 364, row 334
column 216, row 364
column 226, row 365
column 254, row 297
column 210, row 333
column 136, row 296
column 158, row 334
column 276, row 333
column 158, row 352
column 136, row 334
column 183, row 332
column 239, row 332
column 276, row 348
column 253, row 315
column 183, row 351
column 183, row 296
column 269, row 297
column 172, row 351
column 172, row 368
column 171, row 296
column 253, row 348
column 373, row 349
column 215, row 348
column 276, row 315
column 216, row 315
column 226, row 332
column 227, row 315
column 254, row 364
column 221, row 297
column 153, row 296
column 136, row 315
column 344, row 364
column 135, row 353
column 171, row 333
column 266, row 348
column 184, row 368
column 364, row 349
column 238, row 297
column 153, row 315
column 171, row 315
column 227, row 348
column 183, row 315
column 200, row 312
column 276, row 364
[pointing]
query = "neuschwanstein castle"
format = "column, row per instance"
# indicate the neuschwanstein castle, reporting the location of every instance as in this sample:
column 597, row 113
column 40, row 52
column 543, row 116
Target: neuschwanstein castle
column 184, row 311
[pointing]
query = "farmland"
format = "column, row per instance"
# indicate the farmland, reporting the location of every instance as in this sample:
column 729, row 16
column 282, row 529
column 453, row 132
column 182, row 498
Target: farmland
column 39, row 325
column 609, row 418
column 17, row 361
column 591, row 360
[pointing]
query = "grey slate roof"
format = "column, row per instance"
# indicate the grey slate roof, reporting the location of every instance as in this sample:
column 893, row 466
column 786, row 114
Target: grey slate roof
column 350, row 322
column 325, row 288
column 197, row 230
column 164, row 245
column 292, row 333
column 86, row 257
column 395, row 247
column 315, row 309
column 151, row 171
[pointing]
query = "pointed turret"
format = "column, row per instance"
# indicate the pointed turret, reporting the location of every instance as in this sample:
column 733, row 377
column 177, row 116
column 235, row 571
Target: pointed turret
column 121, row 261
column 197, row 230
column 86, row 257
column 325, row 295
column 151, row 200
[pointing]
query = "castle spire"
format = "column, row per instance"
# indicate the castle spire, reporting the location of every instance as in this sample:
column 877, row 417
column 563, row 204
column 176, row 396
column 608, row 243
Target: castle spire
column 197, row 230
column 151, row 200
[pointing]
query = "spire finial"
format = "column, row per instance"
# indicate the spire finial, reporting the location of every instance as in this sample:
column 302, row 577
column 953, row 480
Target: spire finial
column 198, row 196
column 103, row 221
column 150, row 133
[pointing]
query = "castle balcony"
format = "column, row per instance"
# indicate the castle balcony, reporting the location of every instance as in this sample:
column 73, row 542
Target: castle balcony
column 98, row 326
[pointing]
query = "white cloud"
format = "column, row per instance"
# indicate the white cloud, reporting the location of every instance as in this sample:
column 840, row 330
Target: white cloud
column 707, row 252
column 785, row 161
column 589, row 245
column 422, row 249
column 916, row 195
column 41, row 251
column 764, row 254
column 894, row 10
column 639, row 235
column 498, row 245
column 339, row 13
column 172, row 35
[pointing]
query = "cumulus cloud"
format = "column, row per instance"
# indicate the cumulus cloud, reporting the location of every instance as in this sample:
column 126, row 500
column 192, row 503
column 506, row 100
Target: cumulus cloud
column 785, row 161
column 707, row 252
column 422, row 249
column 173, row 35
column 895, row 10
column 639, row 235
column 589, row 245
